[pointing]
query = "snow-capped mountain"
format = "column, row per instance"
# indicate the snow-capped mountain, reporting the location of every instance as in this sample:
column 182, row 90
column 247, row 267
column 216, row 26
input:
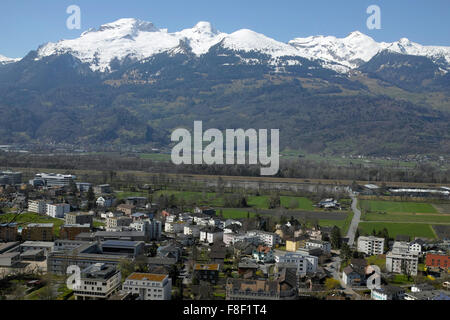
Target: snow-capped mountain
column 5, row 60
column 137, row 40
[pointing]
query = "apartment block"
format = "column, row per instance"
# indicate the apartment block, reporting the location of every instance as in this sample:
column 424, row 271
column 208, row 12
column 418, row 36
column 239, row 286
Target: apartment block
column 370, row 245
column 148, row 286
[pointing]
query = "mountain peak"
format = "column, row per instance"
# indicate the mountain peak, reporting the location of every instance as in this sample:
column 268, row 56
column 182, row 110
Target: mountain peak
column 6, row 60
column 128, row 25
column 204, row 27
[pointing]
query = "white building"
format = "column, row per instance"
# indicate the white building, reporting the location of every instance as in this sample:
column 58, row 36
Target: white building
column 105, row 202
column 58, row 210
column 37, row 206
column 98, row 281
column 211, row 235
column 174, row 227
column 415, row 247
column 55, row 180
column 267, row 238
column 192, row 230
column 149, row 286
column 304, row 263
column 324, row 245
column 401, row 260
column 371, row 245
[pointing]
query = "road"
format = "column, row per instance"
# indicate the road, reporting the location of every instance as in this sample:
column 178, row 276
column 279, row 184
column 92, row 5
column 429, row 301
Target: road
column 355, row 221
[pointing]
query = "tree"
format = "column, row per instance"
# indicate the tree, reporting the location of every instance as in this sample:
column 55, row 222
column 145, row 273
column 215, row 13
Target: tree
column 346, row 252
column 331, row 284
column 274, row 201
column 336, row 240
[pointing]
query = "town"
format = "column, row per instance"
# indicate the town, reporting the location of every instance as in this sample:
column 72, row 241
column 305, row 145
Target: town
column 167, row 240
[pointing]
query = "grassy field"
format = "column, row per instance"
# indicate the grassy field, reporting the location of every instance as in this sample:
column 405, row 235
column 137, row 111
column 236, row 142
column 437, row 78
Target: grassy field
column 29, row 217
column 379, row 260
column 341, row 224
column 394, row 229
column 397, row 206
column 236, row 213
column 407, row 218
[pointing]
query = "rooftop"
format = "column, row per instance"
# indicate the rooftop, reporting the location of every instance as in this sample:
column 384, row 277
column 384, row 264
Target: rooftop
column 147, row 276
column 209, row 267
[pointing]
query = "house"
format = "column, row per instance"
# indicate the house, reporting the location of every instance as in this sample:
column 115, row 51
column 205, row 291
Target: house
column 149, row 286
column 329, row 204
column 267, row 238
column 243, row 289
column 263, row 254
column 353, row 276
column 416, row 246
column 115, row 223
column 98, row 281
column 205, row 210
column 105, row 201
column 207, row 272
column 388, row 293
column 304, row 263
column 127, row 209
column 293, row 244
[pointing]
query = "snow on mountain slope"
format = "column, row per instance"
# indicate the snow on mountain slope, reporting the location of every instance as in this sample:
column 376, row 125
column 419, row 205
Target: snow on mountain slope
column 5, row 60
column 435, row 53
column 135, row 39
column 120, row 39
column 349, row 52
column 201, row 37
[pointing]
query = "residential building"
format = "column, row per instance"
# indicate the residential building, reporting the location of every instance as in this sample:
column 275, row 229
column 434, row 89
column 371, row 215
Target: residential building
column 211, row 235
column 115, row 223
column 437, row 260
column 74, row 218
column 83, row 186
column 192, row 230
column 388, row 293
column 207, row 272
column 58, row 210
column 98, row 281
column 325, row 246
column 11, row 178
column 242, row 289
column 267, row 238
column 416, row 246
column 292, row 244
column 37, row 206
column 127, row 209
column 175, row 226
column 105, row 201
column 435, row 295
column 401, row 260
column 149, row 286
column 38, row 232
column 263, row 254
column 305, row 264
column 370, row 245
column 353, row 276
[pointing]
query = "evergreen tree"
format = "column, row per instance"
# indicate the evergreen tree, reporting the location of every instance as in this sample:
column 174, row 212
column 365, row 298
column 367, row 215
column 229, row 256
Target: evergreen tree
column 336, row 240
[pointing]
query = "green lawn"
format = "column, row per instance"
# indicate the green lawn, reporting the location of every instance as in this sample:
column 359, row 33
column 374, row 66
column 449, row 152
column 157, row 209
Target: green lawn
column 235, row 213
column 394, row 229
column 379, row 261
column 397, row 206
column 302, row 203
column 126, row 194
column 29, row 217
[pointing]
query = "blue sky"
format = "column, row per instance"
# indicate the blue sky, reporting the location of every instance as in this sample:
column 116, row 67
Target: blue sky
column 26, row 24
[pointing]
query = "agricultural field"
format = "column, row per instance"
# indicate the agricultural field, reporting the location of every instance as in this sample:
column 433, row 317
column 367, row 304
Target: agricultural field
column 396, row 206
column 341, row 224
column 394, row 229
column 415, row 219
